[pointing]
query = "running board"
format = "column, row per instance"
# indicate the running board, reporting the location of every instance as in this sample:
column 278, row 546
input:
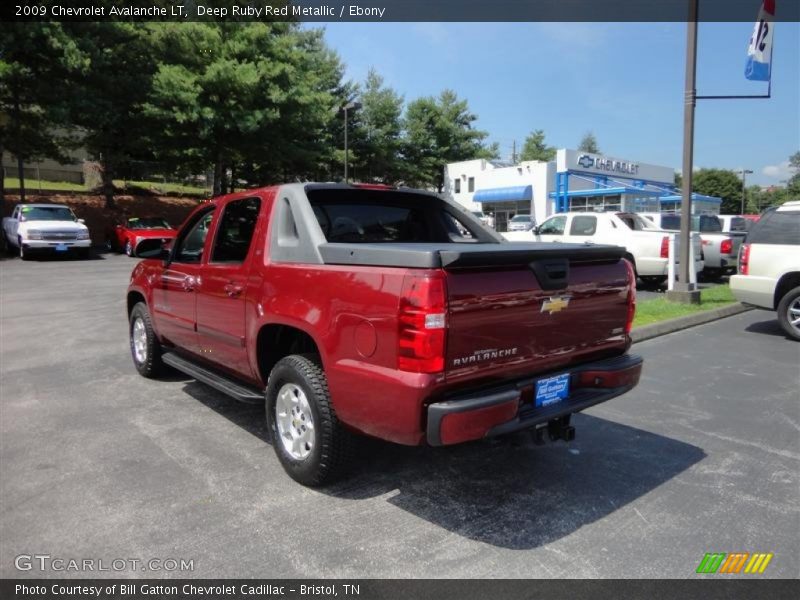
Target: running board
column 218, row 382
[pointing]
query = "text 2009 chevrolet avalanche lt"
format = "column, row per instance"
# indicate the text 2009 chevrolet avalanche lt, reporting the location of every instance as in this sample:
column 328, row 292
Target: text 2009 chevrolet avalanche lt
column 385, row 312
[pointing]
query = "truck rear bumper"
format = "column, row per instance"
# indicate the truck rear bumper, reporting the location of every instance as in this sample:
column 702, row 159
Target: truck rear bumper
column 509, row 408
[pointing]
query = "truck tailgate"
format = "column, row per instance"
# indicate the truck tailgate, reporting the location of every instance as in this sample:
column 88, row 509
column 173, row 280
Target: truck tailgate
column 518, row 311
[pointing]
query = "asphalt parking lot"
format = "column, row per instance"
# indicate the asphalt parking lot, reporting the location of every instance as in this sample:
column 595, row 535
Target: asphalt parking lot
column 97, row 462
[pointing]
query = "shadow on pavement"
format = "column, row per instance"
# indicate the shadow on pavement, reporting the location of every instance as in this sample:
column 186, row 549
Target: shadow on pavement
column 769, row 327
column 506, row 492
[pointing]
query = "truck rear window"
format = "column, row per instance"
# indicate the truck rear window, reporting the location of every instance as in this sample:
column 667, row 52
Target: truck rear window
column 370, row 217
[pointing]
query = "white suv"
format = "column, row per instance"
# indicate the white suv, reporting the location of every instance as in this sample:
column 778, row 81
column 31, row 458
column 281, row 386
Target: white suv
column 769, row 266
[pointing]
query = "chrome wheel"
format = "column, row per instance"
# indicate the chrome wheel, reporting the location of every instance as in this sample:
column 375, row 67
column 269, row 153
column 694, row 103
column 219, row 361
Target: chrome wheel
column 295, row 421
column 139, row 340
column 793, row 314
column 128, row 248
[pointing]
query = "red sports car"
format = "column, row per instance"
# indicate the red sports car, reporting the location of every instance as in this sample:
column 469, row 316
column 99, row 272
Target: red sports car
column 125, row 237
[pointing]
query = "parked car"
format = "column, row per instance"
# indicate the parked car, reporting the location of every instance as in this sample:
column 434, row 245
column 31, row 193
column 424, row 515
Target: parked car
column 52, row 228
column 125, row 237
column 735, row 223
column 478, row 214
column 645, row 245
column 355, row 310
column 720, row 248
column 769, row 266
column 521, row 223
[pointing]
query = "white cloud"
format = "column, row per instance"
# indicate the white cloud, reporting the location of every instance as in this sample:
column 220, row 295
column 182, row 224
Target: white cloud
column 779, row 171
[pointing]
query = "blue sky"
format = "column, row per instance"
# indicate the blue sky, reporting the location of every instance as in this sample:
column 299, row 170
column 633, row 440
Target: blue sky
column 622, row 81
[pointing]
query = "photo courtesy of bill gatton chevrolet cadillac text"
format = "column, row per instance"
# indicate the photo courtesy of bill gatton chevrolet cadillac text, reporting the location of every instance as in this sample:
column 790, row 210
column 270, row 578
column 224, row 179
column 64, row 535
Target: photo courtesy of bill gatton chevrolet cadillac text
column 386, row 312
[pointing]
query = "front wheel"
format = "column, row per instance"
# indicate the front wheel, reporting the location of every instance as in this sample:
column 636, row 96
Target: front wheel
column 789, row 313
column 128, row 248
column 23, row 254
column 311, row 444
column 145, row 347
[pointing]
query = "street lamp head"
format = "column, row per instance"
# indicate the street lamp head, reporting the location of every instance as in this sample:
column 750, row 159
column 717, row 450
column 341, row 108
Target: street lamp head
column 352, row 106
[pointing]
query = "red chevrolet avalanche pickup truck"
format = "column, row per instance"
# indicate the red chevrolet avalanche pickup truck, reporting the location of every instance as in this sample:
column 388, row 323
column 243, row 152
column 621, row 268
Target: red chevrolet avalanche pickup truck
column 385, row 312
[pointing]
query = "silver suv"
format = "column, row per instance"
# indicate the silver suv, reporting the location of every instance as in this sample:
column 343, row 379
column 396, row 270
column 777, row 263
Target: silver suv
column 769, row 266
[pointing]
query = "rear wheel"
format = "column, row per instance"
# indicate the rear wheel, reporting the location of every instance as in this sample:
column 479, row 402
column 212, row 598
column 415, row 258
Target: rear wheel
column 789, row 313
column 145, row 347
column 311, row 444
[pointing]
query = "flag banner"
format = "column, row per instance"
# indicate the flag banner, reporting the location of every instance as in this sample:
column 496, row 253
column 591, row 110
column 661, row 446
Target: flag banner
column 759, row 52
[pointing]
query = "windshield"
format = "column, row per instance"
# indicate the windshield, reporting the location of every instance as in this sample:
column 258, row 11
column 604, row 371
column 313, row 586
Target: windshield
column 635, row 222
column 701, row 223
column 148, row 223
column 46, row 213
column 521, row 219
column 477, row 213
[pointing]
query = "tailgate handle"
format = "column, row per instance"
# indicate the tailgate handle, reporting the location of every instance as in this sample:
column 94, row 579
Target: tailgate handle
column 552, row 274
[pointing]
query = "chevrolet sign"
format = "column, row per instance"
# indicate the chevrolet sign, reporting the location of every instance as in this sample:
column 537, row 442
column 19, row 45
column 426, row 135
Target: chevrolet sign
column 556, row 304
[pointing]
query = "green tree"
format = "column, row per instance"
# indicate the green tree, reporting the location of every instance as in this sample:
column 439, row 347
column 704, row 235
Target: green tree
column 36, row 61
column 793, row 185
column 721, row 183
column 256, row 98
column 535, row 148
column 438, row 131
column 379, row 135
column 589, row 143
column 106, row 98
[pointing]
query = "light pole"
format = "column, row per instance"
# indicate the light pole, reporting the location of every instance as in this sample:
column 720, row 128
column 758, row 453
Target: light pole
column 345, row 108
column 744, row 172
column 684, row 291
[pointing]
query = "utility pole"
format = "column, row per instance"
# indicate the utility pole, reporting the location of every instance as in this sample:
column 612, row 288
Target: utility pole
column 745, row 172
column 685, row 291
column 514, row 152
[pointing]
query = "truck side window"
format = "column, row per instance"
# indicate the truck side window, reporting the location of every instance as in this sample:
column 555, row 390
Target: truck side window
column 583, row 225
column 190, row 247
column 553, row 226
column 235, row 231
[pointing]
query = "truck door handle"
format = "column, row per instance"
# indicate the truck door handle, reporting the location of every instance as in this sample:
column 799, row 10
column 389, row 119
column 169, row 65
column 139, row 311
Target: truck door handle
column 233, row 289
column 189, row 283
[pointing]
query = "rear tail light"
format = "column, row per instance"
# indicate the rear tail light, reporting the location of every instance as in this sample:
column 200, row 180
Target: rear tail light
column 422, row 322
column 744, row 260
column 665, row 247
column 726, row 247
column 631, row 297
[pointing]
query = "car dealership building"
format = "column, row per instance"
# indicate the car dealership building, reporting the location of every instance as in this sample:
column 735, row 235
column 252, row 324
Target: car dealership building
column 574, row 181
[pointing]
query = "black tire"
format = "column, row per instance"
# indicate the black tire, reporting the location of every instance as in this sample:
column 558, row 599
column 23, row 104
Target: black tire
column 85, row 253
column 150, row 365
column 653, row 281
column 23, row 254
column 790, row 301
column 332, row 450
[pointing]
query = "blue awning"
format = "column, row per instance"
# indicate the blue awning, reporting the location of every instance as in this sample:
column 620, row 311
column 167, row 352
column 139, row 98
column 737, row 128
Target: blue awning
column 614, row 191
column 517, row 193
column 695, row 197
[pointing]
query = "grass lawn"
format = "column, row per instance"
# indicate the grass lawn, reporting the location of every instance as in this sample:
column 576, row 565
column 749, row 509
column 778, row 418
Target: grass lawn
column 158, row 187
column 661, row 309
column 33, row 185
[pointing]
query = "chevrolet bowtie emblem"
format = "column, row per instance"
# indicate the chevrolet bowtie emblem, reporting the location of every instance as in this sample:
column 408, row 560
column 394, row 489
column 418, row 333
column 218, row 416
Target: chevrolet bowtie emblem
column 554, row 305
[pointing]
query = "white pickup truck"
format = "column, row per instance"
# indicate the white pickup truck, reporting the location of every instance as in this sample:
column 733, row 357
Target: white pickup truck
column 720, row 248
column 45, row 227
column 646, row 246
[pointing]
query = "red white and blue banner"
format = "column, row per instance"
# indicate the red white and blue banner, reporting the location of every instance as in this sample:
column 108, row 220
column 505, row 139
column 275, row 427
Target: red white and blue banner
column 759, row 52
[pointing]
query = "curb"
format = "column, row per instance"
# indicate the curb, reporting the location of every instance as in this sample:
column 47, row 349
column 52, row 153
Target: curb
column 648, row 332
